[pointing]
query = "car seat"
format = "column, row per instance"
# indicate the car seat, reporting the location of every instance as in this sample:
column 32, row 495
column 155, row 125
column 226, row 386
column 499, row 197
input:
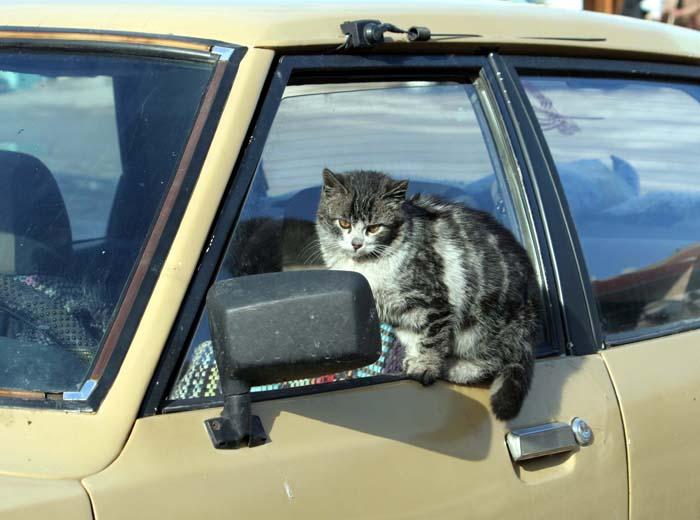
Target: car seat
column 39, row 303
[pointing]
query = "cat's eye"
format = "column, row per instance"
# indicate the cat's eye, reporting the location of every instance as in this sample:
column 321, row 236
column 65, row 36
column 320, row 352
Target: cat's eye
column 344, row 223
column 373, row 228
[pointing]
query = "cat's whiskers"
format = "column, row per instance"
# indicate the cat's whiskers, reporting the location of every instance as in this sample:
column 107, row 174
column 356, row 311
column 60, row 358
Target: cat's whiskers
column 379, row 250
column 311, row 252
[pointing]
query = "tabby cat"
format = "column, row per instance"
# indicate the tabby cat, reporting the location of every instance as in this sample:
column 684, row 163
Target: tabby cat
column 456, row 285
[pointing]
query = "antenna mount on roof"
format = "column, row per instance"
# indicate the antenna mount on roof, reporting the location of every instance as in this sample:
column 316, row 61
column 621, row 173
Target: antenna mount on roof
column 364, row 34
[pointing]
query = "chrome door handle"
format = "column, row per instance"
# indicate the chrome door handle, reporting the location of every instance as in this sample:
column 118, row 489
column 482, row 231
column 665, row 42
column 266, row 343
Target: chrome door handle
column 548, row 439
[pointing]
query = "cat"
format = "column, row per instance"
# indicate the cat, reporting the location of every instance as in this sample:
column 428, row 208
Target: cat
column 457, row 287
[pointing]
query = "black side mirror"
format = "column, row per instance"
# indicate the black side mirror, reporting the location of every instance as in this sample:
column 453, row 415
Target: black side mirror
column 283, row 326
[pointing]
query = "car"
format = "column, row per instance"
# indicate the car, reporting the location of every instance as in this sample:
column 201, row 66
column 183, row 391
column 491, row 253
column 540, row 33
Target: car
column 163, row 304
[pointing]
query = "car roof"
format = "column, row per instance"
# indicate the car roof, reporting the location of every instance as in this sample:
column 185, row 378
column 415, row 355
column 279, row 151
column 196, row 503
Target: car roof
column 296, row 24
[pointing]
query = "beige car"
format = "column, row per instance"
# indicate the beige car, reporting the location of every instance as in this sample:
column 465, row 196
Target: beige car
column 152, row 151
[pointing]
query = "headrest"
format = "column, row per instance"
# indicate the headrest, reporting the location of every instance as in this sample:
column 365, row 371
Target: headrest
column 35, row 234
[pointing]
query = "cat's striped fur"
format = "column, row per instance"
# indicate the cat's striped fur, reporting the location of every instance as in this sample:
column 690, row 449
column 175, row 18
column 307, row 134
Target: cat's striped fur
column 455, row 284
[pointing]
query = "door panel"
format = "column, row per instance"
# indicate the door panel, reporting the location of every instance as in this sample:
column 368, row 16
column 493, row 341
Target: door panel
column 659, row 389
column 395, row 450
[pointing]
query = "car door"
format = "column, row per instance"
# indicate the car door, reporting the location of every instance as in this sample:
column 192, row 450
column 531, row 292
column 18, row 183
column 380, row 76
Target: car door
column 370, row 444
column 623, row 137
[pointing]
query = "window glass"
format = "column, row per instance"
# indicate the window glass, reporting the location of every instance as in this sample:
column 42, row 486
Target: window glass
column 88, row 146
column 433, row 134
column 627, row 156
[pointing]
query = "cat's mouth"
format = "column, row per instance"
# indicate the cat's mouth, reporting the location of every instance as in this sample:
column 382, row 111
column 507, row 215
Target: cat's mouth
column 361, row 255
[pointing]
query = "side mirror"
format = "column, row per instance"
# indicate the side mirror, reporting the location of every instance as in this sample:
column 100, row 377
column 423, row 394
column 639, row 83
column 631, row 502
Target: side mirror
column 284, row 326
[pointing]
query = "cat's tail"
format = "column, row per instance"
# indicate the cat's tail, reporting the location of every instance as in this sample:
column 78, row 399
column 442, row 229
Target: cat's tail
column 510, row 387
column 513, row 380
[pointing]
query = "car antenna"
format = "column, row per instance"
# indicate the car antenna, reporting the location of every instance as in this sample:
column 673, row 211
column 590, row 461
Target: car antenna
column 364, row 34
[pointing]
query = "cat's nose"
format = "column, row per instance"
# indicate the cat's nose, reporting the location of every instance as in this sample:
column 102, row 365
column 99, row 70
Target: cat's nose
column 356, row 243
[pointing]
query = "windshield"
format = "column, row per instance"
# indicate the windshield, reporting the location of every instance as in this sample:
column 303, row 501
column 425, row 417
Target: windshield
column 88, row 146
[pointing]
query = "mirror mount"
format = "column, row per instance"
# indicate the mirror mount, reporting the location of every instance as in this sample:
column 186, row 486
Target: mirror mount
column 236, row 427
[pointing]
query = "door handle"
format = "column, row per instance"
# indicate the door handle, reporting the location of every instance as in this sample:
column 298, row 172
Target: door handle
column 548, row 439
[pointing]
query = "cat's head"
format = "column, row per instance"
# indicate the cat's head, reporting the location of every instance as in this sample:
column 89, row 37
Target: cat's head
column 360, row 214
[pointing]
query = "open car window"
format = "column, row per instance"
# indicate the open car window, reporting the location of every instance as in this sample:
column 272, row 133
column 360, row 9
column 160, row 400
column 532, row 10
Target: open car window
column 89, row 144
column 432, row 133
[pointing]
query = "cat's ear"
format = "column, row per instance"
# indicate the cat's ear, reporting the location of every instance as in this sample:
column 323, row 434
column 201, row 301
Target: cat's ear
column 396, row 190
column 333, row 182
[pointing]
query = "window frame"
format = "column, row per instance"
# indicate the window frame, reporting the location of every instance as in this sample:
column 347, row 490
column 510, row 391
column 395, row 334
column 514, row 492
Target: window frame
column 575, row 267
column 295, row 69
column 225, row 59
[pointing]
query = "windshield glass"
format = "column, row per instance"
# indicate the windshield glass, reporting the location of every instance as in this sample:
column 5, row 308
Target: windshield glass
column 88, row 146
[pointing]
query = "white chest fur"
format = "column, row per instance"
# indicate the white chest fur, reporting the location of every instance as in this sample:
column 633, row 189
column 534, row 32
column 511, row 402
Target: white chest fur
column 381, row 275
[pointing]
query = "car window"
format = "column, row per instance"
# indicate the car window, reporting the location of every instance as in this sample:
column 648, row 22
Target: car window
column 432, row 133
column 627, row 156
column 88, row 145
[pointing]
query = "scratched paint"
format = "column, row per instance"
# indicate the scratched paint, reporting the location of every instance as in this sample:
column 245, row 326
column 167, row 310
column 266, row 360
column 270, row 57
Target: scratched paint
column 288, row 490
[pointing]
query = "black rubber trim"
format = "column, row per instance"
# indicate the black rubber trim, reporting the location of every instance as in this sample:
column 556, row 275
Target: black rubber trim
column 556, row 336
column 288, row 70
column 623, row 338
column 602, row 68
column 575, row 305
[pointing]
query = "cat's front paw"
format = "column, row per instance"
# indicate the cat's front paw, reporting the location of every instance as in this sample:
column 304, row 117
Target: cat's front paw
column 423, row 372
